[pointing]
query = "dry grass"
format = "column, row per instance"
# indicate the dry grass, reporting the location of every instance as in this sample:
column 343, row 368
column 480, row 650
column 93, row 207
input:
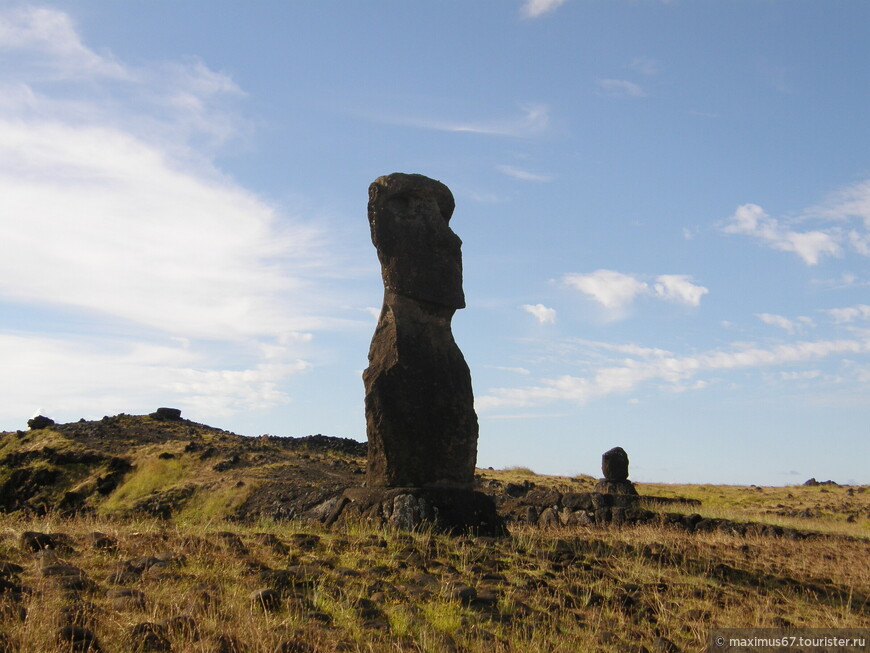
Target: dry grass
column 367, row 589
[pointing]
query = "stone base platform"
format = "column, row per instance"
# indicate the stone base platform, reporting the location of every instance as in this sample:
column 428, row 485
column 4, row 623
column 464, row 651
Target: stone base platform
column 605, row 486
column 451, row 511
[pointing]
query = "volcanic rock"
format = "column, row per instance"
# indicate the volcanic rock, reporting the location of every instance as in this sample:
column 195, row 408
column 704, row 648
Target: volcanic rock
column 39, row 422
column 614, row 464
column 420, row 420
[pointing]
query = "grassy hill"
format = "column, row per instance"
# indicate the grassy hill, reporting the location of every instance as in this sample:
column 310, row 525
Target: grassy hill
column 171, row 535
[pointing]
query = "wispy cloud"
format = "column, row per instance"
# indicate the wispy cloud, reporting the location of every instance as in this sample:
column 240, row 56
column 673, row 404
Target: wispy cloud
column 849, row 314
column 679, row 288
column 617, row 290
column 645, row 66
column 848, row 208
column 620, row 88
column 524, row 175
column 533, row 119
column 675, row 371
column 44, row 44
column 609, row 288
column 89, row 378
column 542, row 314
column 782, row 322
column 536, row 8
column 810, row 246
column 111, row 207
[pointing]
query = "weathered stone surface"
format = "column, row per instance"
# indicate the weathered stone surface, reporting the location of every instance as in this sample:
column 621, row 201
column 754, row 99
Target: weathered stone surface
column 420, row 420
column 420, row 257
column 39, row 422
column 615, row 487
column 167, row 414
column 446, row 510
column 614, row 464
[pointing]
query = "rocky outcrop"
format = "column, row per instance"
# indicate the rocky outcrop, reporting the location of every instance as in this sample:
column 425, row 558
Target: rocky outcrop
column 420, row 421
column 39, row 422
column 167, row 414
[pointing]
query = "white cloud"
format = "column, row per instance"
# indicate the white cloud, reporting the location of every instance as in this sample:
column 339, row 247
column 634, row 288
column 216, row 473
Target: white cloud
column 806, row 375
column 810, row 246
column 534, row 119
column 112, row 210
column 609, row 288
column 785, row 323
column 678, row 288
column 849, row 314
column 852, row 202
column 645, row 66
column 620, row 88
column 616, row 290
column 676, row 371
column 535, row 8
column 122, row 231
column 52, row 47
column 523, row 175
column 89, row 378
column 543, row 314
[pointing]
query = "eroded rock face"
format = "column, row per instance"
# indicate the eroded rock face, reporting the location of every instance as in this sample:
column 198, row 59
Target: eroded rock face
column 420, row 420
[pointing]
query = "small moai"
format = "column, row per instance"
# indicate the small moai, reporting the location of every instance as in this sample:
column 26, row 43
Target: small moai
column 614, row 467
column 420, row 421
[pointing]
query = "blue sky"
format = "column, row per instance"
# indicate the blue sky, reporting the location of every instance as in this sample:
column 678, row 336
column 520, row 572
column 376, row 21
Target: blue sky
column 665, row 210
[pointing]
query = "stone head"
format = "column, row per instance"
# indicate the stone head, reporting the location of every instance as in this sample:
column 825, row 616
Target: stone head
column 420, row 256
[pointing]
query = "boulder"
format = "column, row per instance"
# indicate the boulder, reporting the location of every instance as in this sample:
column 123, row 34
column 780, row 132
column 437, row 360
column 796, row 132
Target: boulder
column 39, row 422
column 167, row 414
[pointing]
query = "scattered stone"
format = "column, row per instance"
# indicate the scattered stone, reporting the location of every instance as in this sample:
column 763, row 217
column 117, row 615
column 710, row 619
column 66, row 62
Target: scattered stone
column 305, row 541
column 78, row 640
column 273, row 542
column 233, row 542
column 607, row 638
column 39, row 422
column 148, row 637
column 123, row 598
column 36, row 541
column 102, row 541
column 462, row 593
column 228, row 644
column 167, row 414
column 266, row 599
column 79, row 613
column 9, row 569
column 182, row 627
column 294, row 646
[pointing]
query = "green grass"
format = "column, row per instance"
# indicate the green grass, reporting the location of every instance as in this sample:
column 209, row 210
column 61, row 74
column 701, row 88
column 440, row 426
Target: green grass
column 150, row 475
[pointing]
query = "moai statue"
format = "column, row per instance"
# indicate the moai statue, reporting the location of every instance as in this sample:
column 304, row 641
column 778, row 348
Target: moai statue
column 614, row 466
column 420, row 420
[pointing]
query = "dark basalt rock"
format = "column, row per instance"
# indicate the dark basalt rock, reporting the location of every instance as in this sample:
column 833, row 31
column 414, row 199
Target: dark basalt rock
column 446, row 510
column 626, row 487
column 614, row 464
column 39, row 422
column 420, row 420
column 167, row 414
